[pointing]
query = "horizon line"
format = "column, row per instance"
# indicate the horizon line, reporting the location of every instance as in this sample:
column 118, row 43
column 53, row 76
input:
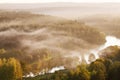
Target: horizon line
column 50, row 2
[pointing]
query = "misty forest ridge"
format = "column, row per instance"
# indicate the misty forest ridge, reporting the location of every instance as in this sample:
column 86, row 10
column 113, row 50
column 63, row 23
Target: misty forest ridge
column 42, row 42
column 39, row 34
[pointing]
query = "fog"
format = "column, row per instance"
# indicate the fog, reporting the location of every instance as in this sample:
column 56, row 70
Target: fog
column 49, row 41
column 110, row 41
column 67, row 10
column 61, row 44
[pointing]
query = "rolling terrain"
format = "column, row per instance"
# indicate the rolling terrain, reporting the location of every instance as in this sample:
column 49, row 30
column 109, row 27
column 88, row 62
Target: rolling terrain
column 60, row 41
column 109, row 24
column 41, row 41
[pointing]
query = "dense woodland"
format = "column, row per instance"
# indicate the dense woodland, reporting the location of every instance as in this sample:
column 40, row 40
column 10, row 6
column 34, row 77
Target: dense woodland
column 105, row 23
column 32, row 42
column 105, row 68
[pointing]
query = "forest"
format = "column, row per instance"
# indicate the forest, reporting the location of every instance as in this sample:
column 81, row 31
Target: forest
column 31, row 43
column 107, row 67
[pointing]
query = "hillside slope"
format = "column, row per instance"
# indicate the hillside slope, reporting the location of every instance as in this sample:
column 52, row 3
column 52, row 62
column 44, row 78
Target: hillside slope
column 42, row 40
column 110, row 24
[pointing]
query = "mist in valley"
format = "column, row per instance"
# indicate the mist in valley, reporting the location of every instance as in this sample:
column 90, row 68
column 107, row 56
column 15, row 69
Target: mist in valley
column 49, row 37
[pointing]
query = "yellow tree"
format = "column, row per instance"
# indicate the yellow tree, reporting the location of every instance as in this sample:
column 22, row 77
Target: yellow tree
column 17, row 68
column 10, row 69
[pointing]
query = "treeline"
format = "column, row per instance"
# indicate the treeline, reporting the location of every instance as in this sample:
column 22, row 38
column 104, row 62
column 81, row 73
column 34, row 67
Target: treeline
column 105, row 68
column 35, row 62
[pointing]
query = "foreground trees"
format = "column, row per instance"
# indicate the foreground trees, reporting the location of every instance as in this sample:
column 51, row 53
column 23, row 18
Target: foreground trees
column 104, row 68
column 98, row 70
column 10, row 69
column 101, row 69
column 80, row 73
column 114, row 72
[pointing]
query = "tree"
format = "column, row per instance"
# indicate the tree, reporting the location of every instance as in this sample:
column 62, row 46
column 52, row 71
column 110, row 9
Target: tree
column 114, row 72
column 6, row 70
column 10, row 69
column 81, row 73
column 98, row 70
column 17, row 68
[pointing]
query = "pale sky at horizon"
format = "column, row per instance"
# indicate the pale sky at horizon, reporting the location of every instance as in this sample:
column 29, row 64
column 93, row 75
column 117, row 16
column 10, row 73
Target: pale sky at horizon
column 46, row 1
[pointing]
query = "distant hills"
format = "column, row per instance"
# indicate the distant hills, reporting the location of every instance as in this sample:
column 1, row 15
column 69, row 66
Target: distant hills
column 67, row 10
column 110, row 24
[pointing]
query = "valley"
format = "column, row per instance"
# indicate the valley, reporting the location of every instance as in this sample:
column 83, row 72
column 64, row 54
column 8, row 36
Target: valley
column 59, row 41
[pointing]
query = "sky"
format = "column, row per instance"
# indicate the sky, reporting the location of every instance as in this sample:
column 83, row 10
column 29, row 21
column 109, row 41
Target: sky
column 46, row 1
